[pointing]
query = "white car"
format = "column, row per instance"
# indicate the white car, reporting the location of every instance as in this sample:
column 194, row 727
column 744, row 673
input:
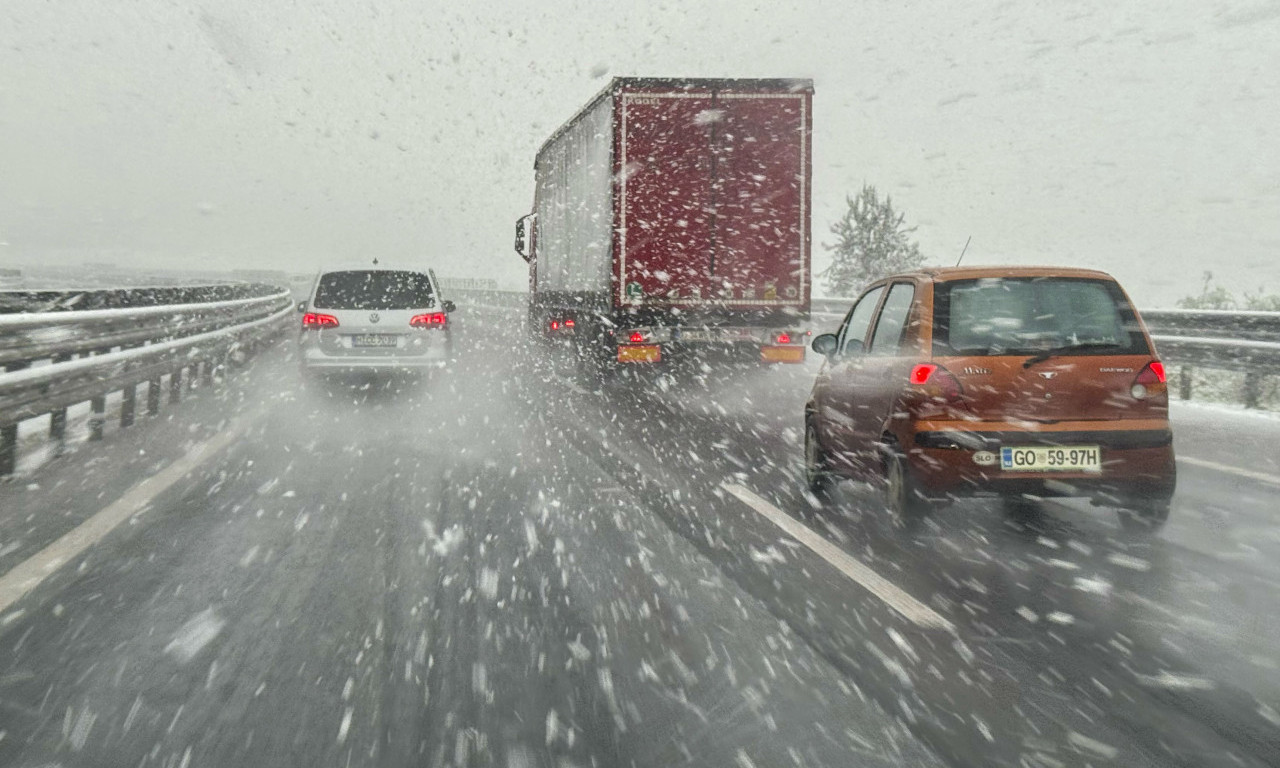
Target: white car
column 377, row 320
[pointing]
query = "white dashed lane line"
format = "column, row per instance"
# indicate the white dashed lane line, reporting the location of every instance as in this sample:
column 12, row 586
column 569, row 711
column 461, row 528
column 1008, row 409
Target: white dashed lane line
column 890, row 594
column 1261, row 477
column 28, row 574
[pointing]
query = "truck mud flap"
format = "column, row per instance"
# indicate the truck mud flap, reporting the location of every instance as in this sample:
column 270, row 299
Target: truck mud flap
column 640, row 353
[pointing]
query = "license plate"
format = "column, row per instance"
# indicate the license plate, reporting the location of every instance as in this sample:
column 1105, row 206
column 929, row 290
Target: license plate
column 640, row 353
column 782, row 354
column 374, row 340
column 1073, row 458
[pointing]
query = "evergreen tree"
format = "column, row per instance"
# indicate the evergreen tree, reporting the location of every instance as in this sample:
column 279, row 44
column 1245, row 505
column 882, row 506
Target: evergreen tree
column 871, row 242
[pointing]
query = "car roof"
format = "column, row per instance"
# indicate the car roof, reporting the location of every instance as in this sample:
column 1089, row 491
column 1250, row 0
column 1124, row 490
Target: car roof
column 379, row 267
column 945, row 274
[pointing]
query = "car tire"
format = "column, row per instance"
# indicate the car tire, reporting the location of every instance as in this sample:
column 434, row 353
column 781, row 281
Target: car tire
column 903, row 494
column 817, row 473
column 1144, row 515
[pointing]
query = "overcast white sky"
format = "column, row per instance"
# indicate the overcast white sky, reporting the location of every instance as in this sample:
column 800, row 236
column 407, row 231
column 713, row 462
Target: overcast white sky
column 1137, row 137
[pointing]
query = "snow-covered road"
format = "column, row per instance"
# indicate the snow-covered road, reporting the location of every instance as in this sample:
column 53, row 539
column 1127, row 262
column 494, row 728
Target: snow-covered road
column 504, row 568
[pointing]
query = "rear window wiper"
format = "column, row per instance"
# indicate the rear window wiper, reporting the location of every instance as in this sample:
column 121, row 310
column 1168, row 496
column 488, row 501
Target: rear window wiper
column 1048, row 353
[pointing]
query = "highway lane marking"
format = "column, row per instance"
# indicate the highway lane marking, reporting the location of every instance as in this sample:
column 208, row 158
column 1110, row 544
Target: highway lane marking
column 28, row 575
column 890, row 594
column 1261, row 477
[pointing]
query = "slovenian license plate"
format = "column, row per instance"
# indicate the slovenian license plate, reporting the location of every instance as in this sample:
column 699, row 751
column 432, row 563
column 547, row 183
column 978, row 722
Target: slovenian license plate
column 373, row 340
column 1073, row 458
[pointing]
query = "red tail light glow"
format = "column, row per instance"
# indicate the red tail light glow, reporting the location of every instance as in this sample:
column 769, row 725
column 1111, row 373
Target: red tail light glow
column 1152, row 374
column 1151, row 381
column 568, row 323
column 555, row 325
column 637, row 337
column 784, row 338
column 429, row 320
column 317, row 320
column 937, row 382
column 921, row 373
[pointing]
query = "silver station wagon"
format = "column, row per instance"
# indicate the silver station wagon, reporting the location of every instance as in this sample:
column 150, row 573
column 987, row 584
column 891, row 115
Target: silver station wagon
column 375, row 320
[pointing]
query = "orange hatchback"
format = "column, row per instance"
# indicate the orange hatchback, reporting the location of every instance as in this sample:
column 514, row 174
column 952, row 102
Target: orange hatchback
column 1014, row 382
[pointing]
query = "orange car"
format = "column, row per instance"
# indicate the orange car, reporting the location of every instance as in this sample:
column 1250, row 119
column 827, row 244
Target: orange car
column 1016, row 382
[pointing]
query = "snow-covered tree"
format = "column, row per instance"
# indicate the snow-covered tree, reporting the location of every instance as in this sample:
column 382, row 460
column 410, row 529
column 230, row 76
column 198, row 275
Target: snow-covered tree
column 872, row 241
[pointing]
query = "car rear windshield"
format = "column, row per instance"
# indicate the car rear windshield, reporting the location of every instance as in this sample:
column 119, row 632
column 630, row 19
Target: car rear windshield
column 1027, row 316
column 373, row 289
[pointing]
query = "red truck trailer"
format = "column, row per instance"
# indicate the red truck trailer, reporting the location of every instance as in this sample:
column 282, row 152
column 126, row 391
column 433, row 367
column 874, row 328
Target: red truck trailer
column 671, row 220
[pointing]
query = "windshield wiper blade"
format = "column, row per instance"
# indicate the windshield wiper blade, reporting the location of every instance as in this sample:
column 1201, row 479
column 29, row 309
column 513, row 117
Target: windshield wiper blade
column 1048, row 353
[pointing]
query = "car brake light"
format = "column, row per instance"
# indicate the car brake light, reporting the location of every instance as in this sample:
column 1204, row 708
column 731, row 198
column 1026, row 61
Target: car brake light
column 921, row 373
column 938, row 383
column 429, row 320
column 555, row 325
column 1150, row 381
column 317, row 320
column 636, row 337
column 568, row 323
column 784, row 338
column 1152, row 374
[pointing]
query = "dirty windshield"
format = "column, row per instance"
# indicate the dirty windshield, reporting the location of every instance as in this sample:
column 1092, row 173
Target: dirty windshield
column 698, row 383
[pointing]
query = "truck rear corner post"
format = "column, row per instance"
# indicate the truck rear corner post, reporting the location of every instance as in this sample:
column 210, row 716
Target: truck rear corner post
column 671, row 221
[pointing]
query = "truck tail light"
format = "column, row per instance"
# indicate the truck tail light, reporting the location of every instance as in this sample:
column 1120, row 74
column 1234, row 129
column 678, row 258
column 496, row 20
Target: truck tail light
column 936, row 382
column 316, row 320
column 1151, row 380
column 429, row 320
column 639, row 336
column 783, row 338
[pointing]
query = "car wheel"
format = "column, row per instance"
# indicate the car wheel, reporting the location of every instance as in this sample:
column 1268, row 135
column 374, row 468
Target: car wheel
column 1144, row 515
column 817, row 475
column 902, row 491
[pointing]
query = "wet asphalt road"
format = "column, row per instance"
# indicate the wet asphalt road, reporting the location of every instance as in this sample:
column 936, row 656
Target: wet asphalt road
column 503, row 567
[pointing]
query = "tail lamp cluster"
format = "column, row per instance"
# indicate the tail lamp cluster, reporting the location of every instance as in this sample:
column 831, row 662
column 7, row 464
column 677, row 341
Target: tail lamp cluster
column 1150, row 381
column 317, row 320
column 562, row 324
column 429, row 320
column 936, row 382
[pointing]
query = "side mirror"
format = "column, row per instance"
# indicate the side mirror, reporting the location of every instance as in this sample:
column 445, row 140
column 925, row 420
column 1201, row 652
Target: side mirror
column 524, row 227
column 825, row 344
column 302, row 306
column 448, row 306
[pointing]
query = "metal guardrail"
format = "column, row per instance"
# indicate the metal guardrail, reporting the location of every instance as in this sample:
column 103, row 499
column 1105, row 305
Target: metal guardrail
column 57, row 358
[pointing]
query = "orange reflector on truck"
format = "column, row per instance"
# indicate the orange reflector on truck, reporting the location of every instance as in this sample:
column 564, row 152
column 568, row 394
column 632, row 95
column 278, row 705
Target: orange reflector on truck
column 792, row 354
column 640, row 353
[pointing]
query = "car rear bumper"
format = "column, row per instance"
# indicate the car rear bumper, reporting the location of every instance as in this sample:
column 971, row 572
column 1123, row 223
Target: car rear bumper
column 1137, row 459
column 316, row 360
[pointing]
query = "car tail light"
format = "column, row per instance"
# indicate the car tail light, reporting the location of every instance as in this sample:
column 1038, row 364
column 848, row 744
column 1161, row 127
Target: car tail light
column 317, row 320
column 783, row 338
column 936, row 382
column 429, row 320
column 568, row 323
column 555, row 325
column 639, row 336
column 1151, row 381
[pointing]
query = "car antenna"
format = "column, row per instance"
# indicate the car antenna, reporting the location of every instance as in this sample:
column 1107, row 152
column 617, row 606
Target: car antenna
column 962, row 250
